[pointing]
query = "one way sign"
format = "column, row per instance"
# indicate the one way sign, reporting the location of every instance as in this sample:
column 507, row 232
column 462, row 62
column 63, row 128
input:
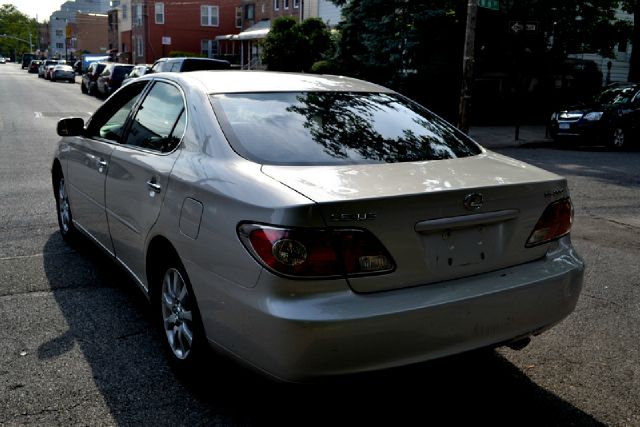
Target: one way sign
column 518, row 26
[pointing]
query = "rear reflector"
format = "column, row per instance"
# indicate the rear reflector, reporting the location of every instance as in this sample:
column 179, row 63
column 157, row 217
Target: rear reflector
column 316, row 252
column 554, row 223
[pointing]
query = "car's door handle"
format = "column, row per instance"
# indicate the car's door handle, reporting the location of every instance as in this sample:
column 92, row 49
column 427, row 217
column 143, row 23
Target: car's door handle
column 102, row 165
column 156, row 188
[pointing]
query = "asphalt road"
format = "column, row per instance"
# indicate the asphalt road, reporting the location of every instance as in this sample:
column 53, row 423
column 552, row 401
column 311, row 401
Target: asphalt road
column 76, row 346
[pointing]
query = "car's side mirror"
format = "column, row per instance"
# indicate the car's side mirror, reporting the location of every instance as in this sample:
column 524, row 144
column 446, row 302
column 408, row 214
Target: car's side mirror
column 72, row 126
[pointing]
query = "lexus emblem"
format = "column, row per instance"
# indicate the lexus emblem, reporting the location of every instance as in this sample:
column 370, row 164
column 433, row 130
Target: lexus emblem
column 473, row 201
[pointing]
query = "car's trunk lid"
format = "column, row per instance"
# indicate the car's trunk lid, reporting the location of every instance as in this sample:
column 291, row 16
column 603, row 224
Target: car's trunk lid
column 439, row 220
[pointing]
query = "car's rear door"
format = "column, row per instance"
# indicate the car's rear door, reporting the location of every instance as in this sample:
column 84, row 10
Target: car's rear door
column 140, row 168
column 89, row 158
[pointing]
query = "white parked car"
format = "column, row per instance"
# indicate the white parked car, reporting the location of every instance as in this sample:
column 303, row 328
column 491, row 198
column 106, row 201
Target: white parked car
column 63, row 72
column 313, row 225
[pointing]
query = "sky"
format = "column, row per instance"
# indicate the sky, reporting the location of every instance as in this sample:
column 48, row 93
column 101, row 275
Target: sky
column 40, row 9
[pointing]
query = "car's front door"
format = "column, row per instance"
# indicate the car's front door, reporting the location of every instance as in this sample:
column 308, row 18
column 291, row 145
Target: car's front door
column 89, row 161
column 139, row 172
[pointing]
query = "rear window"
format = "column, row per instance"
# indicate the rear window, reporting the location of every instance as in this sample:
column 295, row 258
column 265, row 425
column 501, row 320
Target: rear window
column 336, row 128
column 204, row 64
column 120, row 71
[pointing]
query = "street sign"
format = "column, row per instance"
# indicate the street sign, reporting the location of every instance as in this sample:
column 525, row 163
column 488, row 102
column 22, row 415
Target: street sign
column 516, row 26
column 166, row 41
column 529, row 26
column 489, row 4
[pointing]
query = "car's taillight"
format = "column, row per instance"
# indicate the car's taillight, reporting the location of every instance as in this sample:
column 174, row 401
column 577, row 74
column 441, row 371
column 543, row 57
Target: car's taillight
column 316, row 252
column 554, row 223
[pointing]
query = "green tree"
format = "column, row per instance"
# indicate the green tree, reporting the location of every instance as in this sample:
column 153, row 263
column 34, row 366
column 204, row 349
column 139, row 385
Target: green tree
column 15, row 30
column 633, row 7
column 291, row 46
column 416, row 46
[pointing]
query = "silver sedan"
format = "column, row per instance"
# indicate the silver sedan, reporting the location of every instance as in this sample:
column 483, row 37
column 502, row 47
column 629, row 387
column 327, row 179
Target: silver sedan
column 313, row 225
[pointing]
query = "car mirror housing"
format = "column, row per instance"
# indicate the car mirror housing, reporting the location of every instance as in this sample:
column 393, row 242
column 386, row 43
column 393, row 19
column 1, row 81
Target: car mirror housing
column 72, row 126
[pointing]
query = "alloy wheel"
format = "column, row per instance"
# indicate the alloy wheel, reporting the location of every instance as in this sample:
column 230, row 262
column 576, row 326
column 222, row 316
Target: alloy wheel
column 177, row 314
column 618, row 138
column 64, row 210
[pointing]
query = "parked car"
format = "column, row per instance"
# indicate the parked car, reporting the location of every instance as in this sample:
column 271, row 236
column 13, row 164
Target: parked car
column 26, row 60
column 77, row 67
column 43, row 66
column 314, row 225
column 63, row 72
column 137, row 71
column 33, row 66
column 3, row 60
column 613, row 118
column 180, row 65
column 110, row 79
column 49, row 70
column 88, row 82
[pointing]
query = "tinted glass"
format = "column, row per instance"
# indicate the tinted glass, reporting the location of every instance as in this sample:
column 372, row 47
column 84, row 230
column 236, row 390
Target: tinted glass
column 336, row 128
column 204, row 64
column 154, row 126
column 120, row 71
column 620, row 95
column 110, row 119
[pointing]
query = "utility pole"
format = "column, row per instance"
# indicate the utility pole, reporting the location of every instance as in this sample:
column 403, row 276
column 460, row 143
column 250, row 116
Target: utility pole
column 467, row 66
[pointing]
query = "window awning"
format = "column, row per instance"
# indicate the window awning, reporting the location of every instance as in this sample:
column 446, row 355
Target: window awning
column 255, row 32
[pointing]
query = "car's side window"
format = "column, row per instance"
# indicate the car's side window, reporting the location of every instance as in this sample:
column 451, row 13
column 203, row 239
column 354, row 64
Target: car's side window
column 110, row 120
column 158, row 124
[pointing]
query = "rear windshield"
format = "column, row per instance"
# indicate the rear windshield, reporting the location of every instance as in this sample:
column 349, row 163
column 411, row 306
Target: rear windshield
column 203, row 64
column 336, row 128
column 120, row 71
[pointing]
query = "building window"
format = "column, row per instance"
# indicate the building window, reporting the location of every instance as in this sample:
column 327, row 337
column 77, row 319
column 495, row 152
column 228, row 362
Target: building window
column 286, row 4
column 263, row 9
column 209, row 48
column 276, row 4
column 238, row 17
column 296, row 4
column 137, row 14
column 60, row 45
column 159, row 13
column 58, row 33
column 125, row 11
column 209, row 16
column 139, row 46
column 250, row 11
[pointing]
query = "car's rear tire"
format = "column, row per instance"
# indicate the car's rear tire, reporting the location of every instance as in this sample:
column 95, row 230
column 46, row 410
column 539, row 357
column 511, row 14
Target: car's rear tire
column 63, row 208
column 178, row 317
column 83, row 88
column 618, row 138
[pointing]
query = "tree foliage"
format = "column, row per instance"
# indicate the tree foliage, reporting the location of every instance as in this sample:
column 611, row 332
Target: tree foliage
column 633, row 7
column 415, row 46
column 15, row 25
column 293, row 46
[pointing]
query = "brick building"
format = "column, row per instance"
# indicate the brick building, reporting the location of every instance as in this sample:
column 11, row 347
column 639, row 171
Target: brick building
column 91, row 33
column 161, row 27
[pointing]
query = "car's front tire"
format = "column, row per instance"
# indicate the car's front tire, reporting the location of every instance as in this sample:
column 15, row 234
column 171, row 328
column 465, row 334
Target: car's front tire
column 63, row 208
column 177, row 314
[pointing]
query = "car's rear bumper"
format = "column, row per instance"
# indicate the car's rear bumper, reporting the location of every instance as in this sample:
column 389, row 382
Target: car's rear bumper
column 296, row 337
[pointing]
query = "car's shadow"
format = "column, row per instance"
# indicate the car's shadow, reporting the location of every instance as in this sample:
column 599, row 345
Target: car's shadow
column 109, row 320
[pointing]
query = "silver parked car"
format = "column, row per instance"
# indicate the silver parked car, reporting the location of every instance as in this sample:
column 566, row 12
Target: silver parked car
column 63, row 72
column 314, row 225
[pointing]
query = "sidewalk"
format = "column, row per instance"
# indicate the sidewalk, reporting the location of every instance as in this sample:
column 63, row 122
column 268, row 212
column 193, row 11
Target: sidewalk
column 504, row 136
